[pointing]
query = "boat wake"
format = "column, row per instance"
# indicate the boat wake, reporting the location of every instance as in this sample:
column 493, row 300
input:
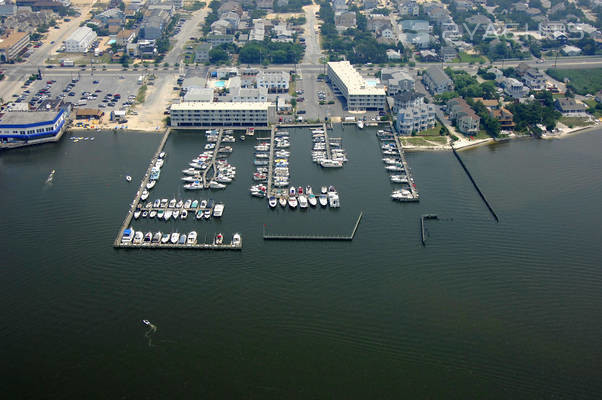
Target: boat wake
column 152, row 329
column 50, row 178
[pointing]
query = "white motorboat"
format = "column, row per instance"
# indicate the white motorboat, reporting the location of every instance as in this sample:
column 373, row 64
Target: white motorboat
column 157, row 203
column 128, row 178
column 196, row 185
column 216, row 185
column 328, row 163
column 167, row 215
column 174, row 237
column 165, row 238
column 292, row 202
column 390, row 160
column 159, row 163
column 156, row 237
column 323, row 189
column 184, row 214
column 218, row 210
column 137, row 213
column 257, row 193
column 333, row 200
column 219, row 238
column 272, row 201
column 179, row 204
column 394, row 168
column 203, row 204
column 236, row 240
column 138, row 237
column 223, row 179
column 144, row 195
column 187, row 203
column 282, row 201
column 191, row 179
column 360, row 124
column 176, row 214
column 313, row 201
column 150, row 184
column 163, row 203
column 399, row 179
column 191, row 238
column 172, row 203
column 303, row 201
column 152, row 213
column 162, row 154
column 323, row 200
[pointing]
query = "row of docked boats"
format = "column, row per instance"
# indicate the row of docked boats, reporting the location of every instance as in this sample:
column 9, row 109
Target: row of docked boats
column 321, row 145
column 155, row 173
column 210, row 169
column 304, row 198
column 132, row 237
column 395, row 167
column 163, row 209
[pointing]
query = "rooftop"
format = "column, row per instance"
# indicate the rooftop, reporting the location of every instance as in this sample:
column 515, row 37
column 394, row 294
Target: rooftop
column 220, row 106
column 28, row 117
column 80, row 33
column 355, row 83
column 8, row 41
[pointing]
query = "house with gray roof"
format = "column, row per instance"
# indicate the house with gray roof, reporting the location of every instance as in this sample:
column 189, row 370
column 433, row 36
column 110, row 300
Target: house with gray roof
column 437, row 81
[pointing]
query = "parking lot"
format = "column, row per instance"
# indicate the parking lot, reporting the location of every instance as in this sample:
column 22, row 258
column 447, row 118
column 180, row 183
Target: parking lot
column 104, row 92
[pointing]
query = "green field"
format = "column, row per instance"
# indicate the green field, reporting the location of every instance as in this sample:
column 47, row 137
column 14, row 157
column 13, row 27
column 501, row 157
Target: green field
column 583, row 81
column 470, row 58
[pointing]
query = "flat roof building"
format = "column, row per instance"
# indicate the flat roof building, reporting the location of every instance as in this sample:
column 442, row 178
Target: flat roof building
column 12, row 44
column 22, row 128
column 199, row 94
column 191, row 114
column 351, row 85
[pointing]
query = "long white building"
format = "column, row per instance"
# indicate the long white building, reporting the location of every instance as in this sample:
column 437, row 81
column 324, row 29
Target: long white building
column 190, row 114
column 80, row 40
column 351, row 85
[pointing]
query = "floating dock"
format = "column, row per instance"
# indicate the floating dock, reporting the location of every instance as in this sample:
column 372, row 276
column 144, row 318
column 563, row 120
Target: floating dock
column 220, row 135
column 267, row 236
column 271, row 162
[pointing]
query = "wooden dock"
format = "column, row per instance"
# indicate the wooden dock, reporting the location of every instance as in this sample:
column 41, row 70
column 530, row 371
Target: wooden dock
column 212, row 166
column 327, row 142
column 198, row 246
column 267, row 236
column 136, row 201
column 422, row 231
column 271, row 162
column 402, row 157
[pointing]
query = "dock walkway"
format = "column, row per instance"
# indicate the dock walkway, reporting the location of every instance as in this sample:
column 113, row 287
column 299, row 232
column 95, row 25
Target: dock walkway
column 267, row 236
column 213, row 167
column 271, row 162
column 402, row 157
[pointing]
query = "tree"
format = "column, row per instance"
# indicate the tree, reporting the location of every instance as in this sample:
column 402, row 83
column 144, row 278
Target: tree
column 218, row 56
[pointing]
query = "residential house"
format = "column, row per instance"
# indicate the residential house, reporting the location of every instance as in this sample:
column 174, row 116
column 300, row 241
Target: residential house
column 370, row 4
column 124, row 37
column 504, row 117
column 415, row 25
column 409, row 7
column 499, row 75
column 230, row 6
column 265, row 4
column 397, row 80
column 479, row 20
column 534, row 79
column 570, row 108
column 377, row 23
column 514, row 88
column 546, row 29
column 221, row 27
column 345, row 20
column 387, row 34
column 466, row 120
column 437, row 81
column 448, row 53
column 233, row 18
column 393, row 55
column 428, row 56
column 216, row 40
column 571, row 50
column 415, row 119
column 340, row 5
column 409, row 99
column 201, row 52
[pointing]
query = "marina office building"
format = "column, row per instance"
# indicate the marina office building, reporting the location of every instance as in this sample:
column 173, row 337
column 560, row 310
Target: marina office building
column 22, row 128
column 189, row 114
column 350, row 84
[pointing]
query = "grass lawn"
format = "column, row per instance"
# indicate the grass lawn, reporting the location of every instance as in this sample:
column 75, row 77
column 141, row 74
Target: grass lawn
column 592, row 107
column 422, row 141
column 582, row 80
column 470, row 58
column 434, row 131
column 141, row 94
column 574, row 121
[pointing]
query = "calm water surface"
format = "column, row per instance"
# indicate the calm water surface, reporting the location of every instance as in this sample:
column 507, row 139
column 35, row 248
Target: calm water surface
column 485, row 310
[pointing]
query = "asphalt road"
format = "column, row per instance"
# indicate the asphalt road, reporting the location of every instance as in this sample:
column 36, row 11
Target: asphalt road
column 312, row 39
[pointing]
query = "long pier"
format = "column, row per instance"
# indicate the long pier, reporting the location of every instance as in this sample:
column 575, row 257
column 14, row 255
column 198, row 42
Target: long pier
column 327, row 141
column 215, row 151
column 349, row 237
column 402, row 157
column 271, row 161
column 130, row 214
column 474, row 183
column 197, row 246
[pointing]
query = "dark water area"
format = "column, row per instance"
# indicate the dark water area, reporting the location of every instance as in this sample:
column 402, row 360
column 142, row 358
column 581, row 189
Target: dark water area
column 484, row 310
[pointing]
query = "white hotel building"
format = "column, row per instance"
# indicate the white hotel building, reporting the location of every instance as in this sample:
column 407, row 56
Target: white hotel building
column 196, row 114
column 350, row 84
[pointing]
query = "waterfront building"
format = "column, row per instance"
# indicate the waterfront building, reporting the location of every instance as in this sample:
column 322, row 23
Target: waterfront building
column 416, row 117
column 22, row 128
column 570, row 108
column 467, row 121
column 80, row 40
column 359, row 95
column 190, row 114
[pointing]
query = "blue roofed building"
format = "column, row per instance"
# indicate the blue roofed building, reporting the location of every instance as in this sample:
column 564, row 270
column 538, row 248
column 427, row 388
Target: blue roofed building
column 23, row 128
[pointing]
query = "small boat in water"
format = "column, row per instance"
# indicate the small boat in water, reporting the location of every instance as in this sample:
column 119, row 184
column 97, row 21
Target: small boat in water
column 216, row 185
column 292, row 202
column 179, row 204
column 219, row 238
column 182, row 239
column 144, row 195
column 194, row 204
column 323, row 200
column 313, row 201
column 146, row 322
column 152, row 213
column 218, row 210
column 191, row 238
column 236, row 240
column 360, row 124
column 150, row 184
column 138, row 237
column 282, row 201
column 148, row 237
column 128, row 178
column 187, row 203
column 196, row 185
column 137, row 213
column 128, row 236
column 184, row 214
column 323, row 189
column 172, row 203
column 167, row 215
column 176, row 214
column 272, row 201
column 165, row 238
column 156, row 203
column 174, row 237
column 203, row 204
column 302, row 201
column 156, row 237
column 144, row 214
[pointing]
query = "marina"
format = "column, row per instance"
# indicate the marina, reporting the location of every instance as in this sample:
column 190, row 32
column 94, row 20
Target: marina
column 397, row 166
